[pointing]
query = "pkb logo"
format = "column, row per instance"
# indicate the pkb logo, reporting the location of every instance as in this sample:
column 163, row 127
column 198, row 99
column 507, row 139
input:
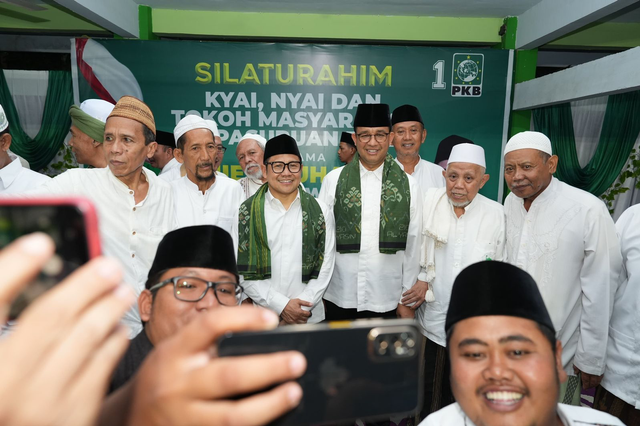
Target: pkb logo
column 467, row 74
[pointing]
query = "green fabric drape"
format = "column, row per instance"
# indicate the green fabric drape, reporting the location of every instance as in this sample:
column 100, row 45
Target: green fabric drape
column 40, row 150
column 620, row 130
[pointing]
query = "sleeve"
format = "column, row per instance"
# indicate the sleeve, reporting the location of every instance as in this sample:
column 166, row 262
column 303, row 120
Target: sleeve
column 261, row 292
column 63, row 184
column 316, row 288
column 599, row 277
column 411, row 262
column 327, row 192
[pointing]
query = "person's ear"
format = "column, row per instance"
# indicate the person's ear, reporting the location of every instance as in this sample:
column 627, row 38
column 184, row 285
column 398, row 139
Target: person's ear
column 145, row 301
column 5, row 142
column 552, row 163
column 177, row 153
column 485, row 179
column 562, row 375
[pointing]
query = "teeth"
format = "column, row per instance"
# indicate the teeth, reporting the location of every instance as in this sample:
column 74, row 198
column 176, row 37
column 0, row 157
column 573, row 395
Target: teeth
column 504, row 396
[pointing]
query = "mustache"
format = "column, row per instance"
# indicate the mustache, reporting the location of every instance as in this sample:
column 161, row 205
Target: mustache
column 208, row 164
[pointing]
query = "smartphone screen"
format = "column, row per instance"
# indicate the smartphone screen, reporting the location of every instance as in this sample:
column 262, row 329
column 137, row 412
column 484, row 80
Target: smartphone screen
column 65, row 221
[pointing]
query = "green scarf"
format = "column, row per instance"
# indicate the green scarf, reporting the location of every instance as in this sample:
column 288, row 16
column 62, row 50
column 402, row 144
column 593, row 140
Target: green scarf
column 395, row 213
column 93, row 127
column 254, row 255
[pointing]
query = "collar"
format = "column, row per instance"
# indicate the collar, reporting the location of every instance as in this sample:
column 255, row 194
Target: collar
column 193, row 187
column 120, row 186
column 170, row 165
column 377, row 172
column 546, row 195
column 415, row 168
column 10, row 172
column 275, row 202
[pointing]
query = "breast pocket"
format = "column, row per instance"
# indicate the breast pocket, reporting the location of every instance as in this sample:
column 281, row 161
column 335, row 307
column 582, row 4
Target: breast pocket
column 225, row 223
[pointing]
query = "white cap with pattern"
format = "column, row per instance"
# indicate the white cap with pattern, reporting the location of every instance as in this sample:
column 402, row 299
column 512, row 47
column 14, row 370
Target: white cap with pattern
column 467, row 153
column 529, row 140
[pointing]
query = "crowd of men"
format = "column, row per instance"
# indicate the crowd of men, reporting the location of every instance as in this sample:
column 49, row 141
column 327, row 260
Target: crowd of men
column 490, row 285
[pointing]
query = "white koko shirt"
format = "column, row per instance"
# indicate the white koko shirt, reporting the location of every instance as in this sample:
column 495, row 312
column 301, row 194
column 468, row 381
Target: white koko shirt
column 567, row 241
column 370, row 280
column 622, row 374
column 477, row 235
column 15, row 179
column 172, row 164
column 284, row 235
column 129, row 232
column 428, row 175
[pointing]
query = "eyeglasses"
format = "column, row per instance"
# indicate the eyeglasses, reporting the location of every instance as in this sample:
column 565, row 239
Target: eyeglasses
column 192, row 289
column 366, row 137
column 221, row 149
column 278, row 166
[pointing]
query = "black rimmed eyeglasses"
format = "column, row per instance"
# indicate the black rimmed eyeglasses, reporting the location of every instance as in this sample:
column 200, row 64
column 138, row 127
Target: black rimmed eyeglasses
column 193, row 289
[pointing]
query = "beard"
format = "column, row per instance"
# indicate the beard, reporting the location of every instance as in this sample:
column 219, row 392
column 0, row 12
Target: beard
column 208, row 176
column 459, row 205
column 253, row 171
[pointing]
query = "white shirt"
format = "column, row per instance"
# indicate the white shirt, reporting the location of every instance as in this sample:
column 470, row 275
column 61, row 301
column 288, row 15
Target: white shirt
column 15, row 179
column 370, row 280
column 622, row 374
column 284, row 234
column 217, row 206
column 129, row 232
column 172, row 164
column 477, row 235
column 172, row 173
column 428, row 175
column 567, row 242
column 452, row 415
column 250, row 186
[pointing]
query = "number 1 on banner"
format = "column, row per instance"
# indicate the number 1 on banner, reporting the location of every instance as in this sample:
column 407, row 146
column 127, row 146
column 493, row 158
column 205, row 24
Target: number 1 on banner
column 438, row 67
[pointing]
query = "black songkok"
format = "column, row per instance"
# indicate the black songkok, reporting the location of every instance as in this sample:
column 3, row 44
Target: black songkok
column 281, row 144
column 205, row 246
column 496, row 288
column 372, row 115
column 346, row 138
column 446, row 145
column 406, row 113
column 165, row 138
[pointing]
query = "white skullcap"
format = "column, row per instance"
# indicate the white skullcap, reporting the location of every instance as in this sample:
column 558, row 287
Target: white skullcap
column 256, row 137
column 4, row 123
column 97, row 108
column 213, row 126
column 529, row 140
column 467, row 153
column 190, row 122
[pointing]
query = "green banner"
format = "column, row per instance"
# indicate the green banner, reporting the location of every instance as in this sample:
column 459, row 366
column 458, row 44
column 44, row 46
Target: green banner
column 309, row 91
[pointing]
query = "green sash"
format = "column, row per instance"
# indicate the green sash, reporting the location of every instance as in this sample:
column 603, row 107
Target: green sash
column 254, row 255
column 395, row 203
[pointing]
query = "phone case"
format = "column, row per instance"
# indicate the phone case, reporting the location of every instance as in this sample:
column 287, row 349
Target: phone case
column 347, row 377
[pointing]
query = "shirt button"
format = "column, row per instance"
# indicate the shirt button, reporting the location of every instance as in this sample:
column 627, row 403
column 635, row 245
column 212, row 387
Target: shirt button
column 456, row 265
column 133, row 233
column 133, row 255
column 131, row 192
column 134, row 209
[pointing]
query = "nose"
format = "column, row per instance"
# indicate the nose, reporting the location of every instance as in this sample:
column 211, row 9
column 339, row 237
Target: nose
column 117, row 147
column 208, row 301
column 406, row 136
column 518, row 175
column 497, row 369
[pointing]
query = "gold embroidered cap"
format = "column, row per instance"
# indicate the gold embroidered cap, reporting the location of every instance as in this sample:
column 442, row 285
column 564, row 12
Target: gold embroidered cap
column 134, row 109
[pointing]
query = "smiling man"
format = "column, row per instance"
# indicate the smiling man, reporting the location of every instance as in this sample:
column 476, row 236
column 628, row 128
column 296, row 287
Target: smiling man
column 134, row 206
column 565, row 238
column 506, row 365
column 409, row 135
column 377, row 209
column 286, row 240
column 250, row 154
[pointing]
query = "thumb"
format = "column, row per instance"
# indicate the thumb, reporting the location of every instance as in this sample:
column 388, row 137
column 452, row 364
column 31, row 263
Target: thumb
column 305, row 303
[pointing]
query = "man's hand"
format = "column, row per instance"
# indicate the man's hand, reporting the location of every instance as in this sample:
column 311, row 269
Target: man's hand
column 588, row 380
column 293, row 312
column 416, row 295
column 405, row 312
column 183, row 382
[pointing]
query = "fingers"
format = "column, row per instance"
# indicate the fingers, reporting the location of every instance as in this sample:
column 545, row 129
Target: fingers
column 20, row 262
column 252, row 411
column 417, row 304
column 200, row 333
column 305, row 303
column 244, row 374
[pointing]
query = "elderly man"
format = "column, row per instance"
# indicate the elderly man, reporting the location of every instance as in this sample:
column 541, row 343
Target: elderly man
column 188, row 263
column 286, row 240
column 619, row 393
column 377, row 209
column 250, row 154
column 409, row 135
column 460, row 227
column 347, row 148
column 565, row 238
column 135, row 207
column 163, row 158
column 201, row 197
column 87, row 131
column 14, row 179
column 506, row 365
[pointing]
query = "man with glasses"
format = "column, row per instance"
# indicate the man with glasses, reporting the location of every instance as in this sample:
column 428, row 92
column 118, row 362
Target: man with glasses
column 377, row 209
column 194, row 271
column 286, row 240
column 200, row 197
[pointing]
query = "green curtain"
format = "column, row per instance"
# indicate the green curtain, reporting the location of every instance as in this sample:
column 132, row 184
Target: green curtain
column 40, row 150
column 620, row 130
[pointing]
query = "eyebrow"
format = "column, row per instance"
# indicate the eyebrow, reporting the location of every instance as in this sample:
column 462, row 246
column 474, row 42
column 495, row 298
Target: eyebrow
column 471, row 341
column 515, row 338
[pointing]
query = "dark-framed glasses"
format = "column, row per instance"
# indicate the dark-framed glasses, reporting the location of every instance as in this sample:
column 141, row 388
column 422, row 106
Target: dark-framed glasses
column 278, row 166
column 193, row 289
column 221, row 149
column 366, row 137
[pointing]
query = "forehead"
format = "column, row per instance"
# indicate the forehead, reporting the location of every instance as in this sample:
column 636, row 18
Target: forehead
column 344, row 145
column 248, row 144
column 285, row 158
column 492, row 328
column 198, row 136
column 204, row 273
column 123, row 125
column 360, row 130
column 407, row 124
column 528, row 155
column 463, row 168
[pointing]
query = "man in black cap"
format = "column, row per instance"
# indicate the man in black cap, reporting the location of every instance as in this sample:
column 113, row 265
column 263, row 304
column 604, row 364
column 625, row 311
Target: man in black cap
column 377, row 209
column 445, row 147
column 189, row 262
column 286, row 240
column 163, row 158
column 409, row 135
column 506, row 364
column 347, row 148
